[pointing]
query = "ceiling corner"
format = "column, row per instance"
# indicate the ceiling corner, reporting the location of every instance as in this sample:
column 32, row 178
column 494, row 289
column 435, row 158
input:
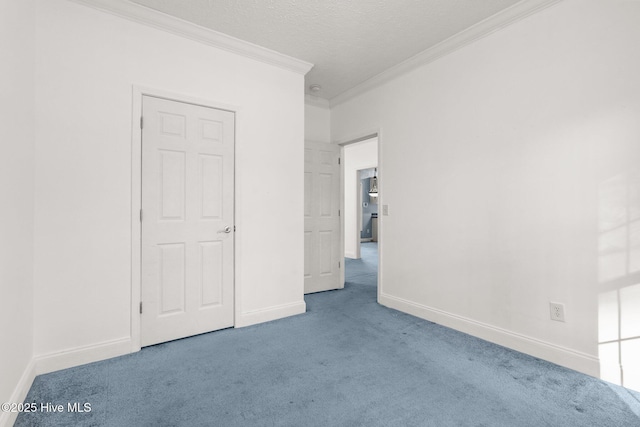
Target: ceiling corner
column 316, row 101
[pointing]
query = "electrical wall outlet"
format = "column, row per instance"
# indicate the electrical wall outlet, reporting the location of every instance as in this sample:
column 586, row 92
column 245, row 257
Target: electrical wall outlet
column 557, row 311
column 385, row 210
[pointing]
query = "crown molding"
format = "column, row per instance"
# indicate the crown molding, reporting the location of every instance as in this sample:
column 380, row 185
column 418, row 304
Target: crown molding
column 476, row 32
column 316, row 101
column 180, row 27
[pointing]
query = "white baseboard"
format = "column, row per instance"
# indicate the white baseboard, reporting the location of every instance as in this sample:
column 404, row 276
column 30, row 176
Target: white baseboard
column 7, row 419
column 79, row 356
column 270, row 313
column 51, row 362
column 56, row 361
column 351, row 255
column 559, row 355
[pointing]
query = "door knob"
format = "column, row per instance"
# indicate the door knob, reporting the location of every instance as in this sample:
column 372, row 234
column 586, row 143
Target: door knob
column 227, row 230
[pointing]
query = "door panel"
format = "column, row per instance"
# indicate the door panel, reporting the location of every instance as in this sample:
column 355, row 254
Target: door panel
column 187, row 203
column 172, row 275
column 211, row 281
column 321, row 217
column 172, row 180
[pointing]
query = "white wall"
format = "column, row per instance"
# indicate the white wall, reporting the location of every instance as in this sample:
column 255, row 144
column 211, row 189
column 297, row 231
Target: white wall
column 87, row 62
column 317, row 122
column 507, row 140
column 16, row 196
column 361, row 155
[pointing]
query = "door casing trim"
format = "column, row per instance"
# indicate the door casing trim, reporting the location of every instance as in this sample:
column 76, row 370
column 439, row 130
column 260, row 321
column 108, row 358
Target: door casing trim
column 354, row 138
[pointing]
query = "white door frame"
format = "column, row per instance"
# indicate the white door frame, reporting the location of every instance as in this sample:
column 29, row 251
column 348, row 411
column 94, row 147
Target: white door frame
column 359, row 137
column 136, row 198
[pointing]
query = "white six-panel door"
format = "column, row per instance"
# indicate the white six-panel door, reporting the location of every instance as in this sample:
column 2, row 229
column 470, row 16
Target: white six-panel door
column 187, row 220
column 322, row 257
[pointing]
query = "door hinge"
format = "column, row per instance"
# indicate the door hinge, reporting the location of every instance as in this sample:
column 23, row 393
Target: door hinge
column 140, row 307
column 338, row 160
column 141, row 122
column 338, row 212
column 140, row 215
column 234, row 228
column 339, row 265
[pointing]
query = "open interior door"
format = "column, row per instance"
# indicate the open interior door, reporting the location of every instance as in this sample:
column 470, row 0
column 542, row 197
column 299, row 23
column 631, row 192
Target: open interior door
column 322, row 257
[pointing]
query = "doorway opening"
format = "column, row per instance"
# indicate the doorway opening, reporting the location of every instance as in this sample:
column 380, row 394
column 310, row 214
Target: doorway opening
column 361, row 224
column 368, row 205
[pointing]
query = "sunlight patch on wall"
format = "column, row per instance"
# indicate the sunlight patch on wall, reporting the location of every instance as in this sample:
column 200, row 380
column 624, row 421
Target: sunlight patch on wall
column 619, row 278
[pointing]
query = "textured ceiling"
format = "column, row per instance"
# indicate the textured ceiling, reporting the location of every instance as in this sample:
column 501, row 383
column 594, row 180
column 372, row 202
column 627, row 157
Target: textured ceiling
column 349, row 41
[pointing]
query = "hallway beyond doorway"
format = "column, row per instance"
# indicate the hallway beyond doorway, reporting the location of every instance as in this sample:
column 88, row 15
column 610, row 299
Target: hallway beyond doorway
column 363, row 271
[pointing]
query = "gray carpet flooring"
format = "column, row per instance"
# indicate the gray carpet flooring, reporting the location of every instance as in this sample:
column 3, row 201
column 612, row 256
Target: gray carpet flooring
column 347, row 362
